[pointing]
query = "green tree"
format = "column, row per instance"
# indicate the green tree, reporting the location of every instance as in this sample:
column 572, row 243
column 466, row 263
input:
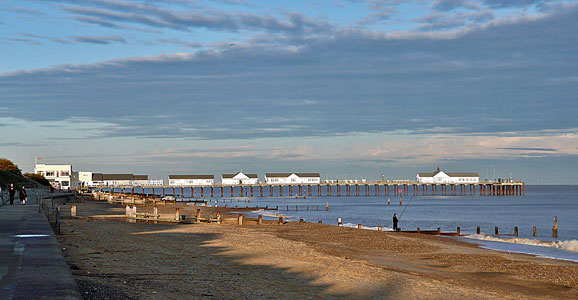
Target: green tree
column 7, row 165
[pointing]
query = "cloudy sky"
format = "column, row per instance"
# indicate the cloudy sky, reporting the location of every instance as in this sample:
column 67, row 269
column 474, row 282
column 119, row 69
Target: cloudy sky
column 347, row 88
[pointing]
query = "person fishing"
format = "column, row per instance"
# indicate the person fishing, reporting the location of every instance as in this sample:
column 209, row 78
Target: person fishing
column 395, row 220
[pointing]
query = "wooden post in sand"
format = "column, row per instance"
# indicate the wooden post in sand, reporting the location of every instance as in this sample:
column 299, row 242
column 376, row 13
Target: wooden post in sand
column 378, row 228
column 535, row 232
column 301, row 221
column 218, row 217
column 478, row 230
column 156, row 213
column 198, row 215
column 458, row 231
column 73, row 210
column 240, row 219
column 439, row 230
column 319, row 222
column 359, row 226
column 496, row 230
column 515, row 230
column 555, row 228
column 177, row 214
column 280, row 220
column 418, row 230
column 260, row 220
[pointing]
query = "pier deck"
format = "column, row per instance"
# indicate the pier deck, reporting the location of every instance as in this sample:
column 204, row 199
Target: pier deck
column 379, row 188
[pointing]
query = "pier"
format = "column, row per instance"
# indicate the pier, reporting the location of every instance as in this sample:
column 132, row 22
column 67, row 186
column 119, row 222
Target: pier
column 334, row 189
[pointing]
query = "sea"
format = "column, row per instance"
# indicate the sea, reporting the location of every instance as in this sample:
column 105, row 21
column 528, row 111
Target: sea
column 538, row 207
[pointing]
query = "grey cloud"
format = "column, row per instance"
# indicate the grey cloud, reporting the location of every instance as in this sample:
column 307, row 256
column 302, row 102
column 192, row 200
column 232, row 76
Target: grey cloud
column 441, row 20
column 102, row 40
column 57, row 40
column 511, row 3
column 22, row 10
column 447, row 5
column 108, row 12
column 530, row 149
column 181, row 42
column 360, row 82
column 23, row 40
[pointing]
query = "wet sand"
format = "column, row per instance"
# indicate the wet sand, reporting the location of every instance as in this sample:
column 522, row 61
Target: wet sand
column 114, row 259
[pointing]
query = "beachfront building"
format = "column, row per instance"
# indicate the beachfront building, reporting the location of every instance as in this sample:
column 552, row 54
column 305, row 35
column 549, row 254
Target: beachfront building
column 292, row 178
column 239, row 178
column 59, row 176
column 140, row 180
column 117, row 179
column 441, row 177
column 188, row 180
column 99, row 179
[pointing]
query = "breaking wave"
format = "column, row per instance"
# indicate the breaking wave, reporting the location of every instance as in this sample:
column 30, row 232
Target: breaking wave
column 569, row 245
column 351, row 225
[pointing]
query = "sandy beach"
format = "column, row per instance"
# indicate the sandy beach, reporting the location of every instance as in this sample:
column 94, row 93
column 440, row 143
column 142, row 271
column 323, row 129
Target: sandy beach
column 113, row 259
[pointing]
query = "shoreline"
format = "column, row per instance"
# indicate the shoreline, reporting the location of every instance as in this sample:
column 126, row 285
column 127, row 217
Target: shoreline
column 296, row 260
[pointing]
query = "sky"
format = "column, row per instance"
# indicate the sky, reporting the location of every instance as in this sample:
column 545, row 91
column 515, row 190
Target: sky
column 347, row 88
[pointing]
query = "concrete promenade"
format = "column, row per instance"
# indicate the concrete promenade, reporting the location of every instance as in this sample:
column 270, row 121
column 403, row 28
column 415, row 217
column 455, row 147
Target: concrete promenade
column 31, row 267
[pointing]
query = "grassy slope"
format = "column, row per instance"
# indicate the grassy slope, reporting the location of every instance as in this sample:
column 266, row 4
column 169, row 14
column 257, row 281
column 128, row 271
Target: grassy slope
column 6, row 178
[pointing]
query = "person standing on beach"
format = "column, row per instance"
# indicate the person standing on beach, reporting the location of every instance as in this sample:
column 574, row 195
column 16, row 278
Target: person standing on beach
column 11, row 191
column 23, row 195
column 395, row 220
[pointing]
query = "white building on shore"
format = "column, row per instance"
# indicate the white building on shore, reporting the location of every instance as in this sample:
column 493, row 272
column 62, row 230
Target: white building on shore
column 190, row 180
column 239, row 178
column 441, row 177
column 292, row 178
column 59, row 176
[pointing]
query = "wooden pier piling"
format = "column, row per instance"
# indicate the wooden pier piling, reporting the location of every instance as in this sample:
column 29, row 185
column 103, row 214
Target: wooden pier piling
column 555, row 228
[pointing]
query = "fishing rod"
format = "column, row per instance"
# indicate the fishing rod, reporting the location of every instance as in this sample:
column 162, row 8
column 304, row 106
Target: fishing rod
column 399, row 218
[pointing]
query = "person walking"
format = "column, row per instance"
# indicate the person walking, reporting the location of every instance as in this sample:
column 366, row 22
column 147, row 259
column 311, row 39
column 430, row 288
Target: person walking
column 395, row 220
column 23, row 195
column 12, row 192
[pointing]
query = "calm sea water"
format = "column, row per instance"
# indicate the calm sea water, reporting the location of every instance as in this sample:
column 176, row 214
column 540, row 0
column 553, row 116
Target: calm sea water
column 537, row 207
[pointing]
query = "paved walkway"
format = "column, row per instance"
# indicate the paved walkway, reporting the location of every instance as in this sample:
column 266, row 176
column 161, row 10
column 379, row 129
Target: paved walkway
column 31, row 267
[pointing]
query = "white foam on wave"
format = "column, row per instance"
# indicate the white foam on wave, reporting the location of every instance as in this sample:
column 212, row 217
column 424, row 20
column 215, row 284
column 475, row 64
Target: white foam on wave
column 351, row 225
column 570, row 245
column 271, row 214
